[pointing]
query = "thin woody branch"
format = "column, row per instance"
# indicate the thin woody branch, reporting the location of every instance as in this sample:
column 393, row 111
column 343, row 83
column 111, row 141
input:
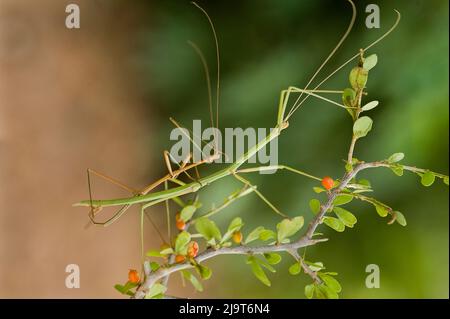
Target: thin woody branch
column 304, row 241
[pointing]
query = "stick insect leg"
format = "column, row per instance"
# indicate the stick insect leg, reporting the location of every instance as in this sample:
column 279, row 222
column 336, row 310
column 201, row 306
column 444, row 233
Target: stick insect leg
column 265, row 200
column 275, row 167
column 111, row 180
column 95, row 210
column 312, row 93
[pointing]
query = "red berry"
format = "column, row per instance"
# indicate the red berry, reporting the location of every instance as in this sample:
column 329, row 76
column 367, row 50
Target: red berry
column 133, row 276
column 192, row 250
column 327, row 182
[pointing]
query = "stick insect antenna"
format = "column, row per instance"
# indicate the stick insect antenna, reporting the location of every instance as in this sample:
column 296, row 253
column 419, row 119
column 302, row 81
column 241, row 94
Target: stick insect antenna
column 384, row 35
column 217, row 63
column 338, row 45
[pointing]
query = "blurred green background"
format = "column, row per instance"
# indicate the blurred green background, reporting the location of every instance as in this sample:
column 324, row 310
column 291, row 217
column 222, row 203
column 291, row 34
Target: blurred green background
column 266, row 46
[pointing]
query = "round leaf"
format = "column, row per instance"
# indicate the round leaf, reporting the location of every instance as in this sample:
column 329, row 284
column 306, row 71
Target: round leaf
column 345, row 216
column 314, row 204
column 187, row 212
column 235, row 225
column 381, row 210
column 397, row 169
column 272, row 258
column 181, row 242
column 400, row 218
column 358, row 78
column 331, row 282
column 334, row 223
column 295, row 269
column 288, row 227
column 428, row 179
column 369, row 106
column 254, row 235
column 370, row 62
column 207, row 228
column 342, row 200
column 362, row 126
column 396, row 157
column 309, row 291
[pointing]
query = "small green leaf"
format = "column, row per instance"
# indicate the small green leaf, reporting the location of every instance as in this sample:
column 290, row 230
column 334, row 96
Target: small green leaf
column 272, row 258
column 166, row 251
column 342, row 200
column 194, row 281
column 235, row 225
column 345, row 216
column 155, row 290
column 288, row 227
column 334, row 223
column 364, row 182
column 309, row 291
column 154, row 253
column 427, row 179
column 154, row 266
column 397, row 169
column 314, row 204
column 258, row 271
column 348, row 97
column 318, row 265
column 295, row 269
column 399, row 218
column 370, row 62
column 267, row 234
column 362, row 126
column 381, row 210
column 208, row 229
column 203, row 271
column 318, row 190
column 254, row 234
column 181, row 242
column 348, row 167
column 125, row 289
column 328, row 292
column 187, row 212
column 446, row 180
column 331, row 282
column 396, row 157
column 358, row 78
column 369, row 106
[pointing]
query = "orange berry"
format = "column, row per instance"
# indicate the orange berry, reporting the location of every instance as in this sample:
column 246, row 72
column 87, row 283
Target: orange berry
column 327, row 182
column 179, row 258
column 133, row 276
column 237, row 237
column 181, row 225
column 192, row 250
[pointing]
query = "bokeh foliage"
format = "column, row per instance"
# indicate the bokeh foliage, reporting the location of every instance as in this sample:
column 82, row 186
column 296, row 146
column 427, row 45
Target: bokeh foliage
column 267, row 46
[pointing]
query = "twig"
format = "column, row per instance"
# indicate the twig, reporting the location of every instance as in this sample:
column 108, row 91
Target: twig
column 303, row 241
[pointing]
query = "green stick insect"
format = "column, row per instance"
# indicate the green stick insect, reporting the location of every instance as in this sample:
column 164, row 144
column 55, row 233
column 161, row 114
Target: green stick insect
column 261, row 246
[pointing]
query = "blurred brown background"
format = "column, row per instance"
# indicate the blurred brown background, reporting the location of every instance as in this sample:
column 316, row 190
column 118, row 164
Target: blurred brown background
column 67, row 102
